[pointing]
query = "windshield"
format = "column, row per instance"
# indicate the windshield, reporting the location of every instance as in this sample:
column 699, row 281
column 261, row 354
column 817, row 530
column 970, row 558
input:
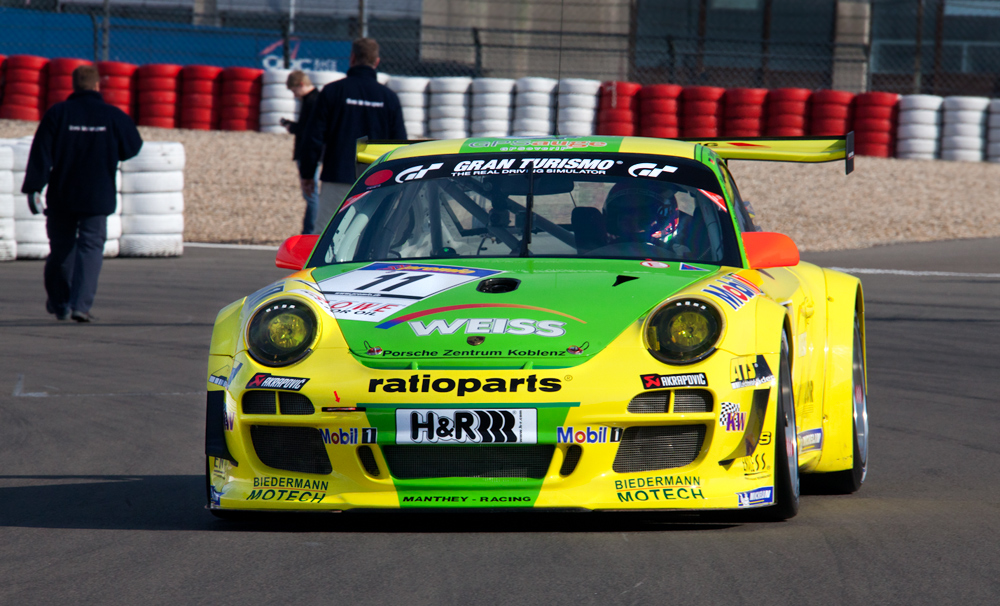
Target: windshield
column 619, row 206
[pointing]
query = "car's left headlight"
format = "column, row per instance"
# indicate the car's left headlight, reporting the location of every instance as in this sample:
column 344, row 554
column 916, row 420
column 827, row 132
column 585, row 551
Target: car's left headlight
column 281, row 332
column 683, row 331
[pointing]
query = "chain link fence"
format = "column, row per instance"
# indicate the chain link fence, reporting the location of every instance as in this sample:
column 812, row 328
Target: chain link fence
column 932, row 46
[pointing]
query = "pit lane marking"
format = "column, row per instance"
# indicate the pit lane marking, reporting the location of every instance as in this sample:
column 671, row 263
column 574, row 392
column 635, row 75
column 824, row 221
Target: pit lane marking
column 908, row 272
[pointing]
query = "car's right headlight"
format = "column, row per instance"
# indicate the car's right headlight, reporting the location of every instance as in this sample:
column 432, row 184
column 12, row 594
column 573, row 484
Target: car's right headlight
column 281, row 332
column 683, row 331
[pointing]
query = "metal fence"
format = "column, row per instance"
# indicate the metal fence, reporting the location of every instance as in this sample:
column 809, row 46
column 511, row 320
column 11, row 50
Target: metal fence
column 934, row 46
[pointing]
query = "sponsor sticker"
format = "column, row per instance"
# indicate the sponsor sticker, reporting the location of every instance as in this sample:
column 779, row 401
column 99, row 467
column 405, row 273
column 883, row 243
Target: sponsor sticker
column 731, row 418
column 488, row 326
column 655, row 264
column 649, row 169
column 734, row 290
column 540, row 144
column 749, row 371
column 686, row 267
column 378, row 178
column 658, row 488
column 221, row 376
column 588, row 435
column 349, row 436
column 416, row 172
column 264, row 380
column 463, row 386
column 465, row 426
column 516, row 166
column 716, row 199
column 695, row 379
column 379, row 290
column 755, row 466
column 755, row 498
column 811, row 440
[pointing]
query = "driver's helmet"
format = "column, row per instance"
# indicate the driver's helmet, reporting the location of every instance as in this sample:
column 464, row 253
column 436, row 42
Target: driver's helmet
column 642, row 211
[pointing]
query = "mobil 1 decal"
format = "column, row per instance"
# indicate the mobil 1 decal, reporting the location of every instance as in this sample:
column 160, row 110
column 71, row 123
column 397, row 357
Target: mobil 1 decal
column 376, row 291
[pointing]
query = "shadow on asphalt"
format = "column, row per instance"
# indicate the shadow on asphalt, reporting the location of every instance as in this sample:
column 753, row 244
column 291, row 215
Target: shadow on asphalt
column 178, row 503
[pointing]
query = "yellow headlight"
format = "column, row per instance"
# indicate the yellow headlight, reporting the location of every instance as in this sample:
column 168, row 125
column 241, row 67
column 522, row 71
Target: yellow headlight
column 281, row 332
column 683, row 331
column 287, row 331
column 688, row 329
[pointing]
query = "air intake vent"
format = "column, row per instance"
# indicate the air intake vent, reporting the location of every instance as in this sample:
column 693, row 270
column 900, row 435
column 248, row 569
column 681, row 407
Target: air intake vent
column 418, row 462
column 652, row 401
column 291, row 448
column 367, row 458
column 692, row 400
column 654, row 448
column 259, row 403
column 294, row 404
column 498, row 285
column 572, row 459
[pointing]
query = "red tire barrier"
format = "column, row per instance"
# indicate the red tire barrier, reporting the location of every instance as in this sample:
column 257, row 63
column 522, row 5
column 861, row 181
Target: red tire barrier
column 26, row 88
column 744, row 108
column 23, row 88
column 242, row 87
column 31, row 76
column 240, row 110
column 617, row 109
column 64, row 67
column 786, row 112
column 824, row 128
column 17, row 112
column 28, row 101
column 658, row 120
column 158, row 86
column 118, row 81
column 833, row 97
column 200, row 100
column 200, row 87
column 658, row 109
column 701, row 110
column 830, row 113
column 664, row 132
column 617, row 129
column 28, row 62
column 658, row 106
column 874, row 136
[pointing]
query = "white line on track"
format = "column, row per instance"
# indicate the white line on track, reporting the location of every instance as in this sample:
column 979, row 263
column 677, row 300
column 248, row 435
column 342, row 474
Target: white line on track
column 907, row 272
column 231, row 246
column 20, row 393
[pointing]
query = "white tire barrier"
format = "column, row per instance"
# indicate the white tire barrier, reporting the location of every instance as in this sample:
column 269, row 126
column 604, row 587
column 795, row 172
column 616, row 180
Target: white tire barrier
column 272, row 119
column 276, row 91
column 450, row 84
column 962, row 155
column 276, row 76
column 920, row 102
column 152, row 224
column 156, row 156
column 531, row 127
column 322, row 78
column 964, row 130
column 459, row 112
column 114, row 227
column 412, row 100
column 146, row 182
column 449, row 107
column 415, row 130
column 32, row 250
column 975, row 104
column 111, row 248
column 964, row 117
column 407, row 84
column 962, row 143
column 414, row 114
column 493, row 100
column 8, row 250
column 918, row 131
column 579, row 86
column 919, row 116
column 492, row 113
column 536, row 85
column 151, row 245
column 534, row 99
column 274, row 130
column 31, row 231
column 6, row 206
column 918, row 146
column 7, row 229
column 575, row 129
column 275, row 104
column 491, row 125
column 156, row 203
column 994, row 120
column 582, row 101
column 449, row 124
column 916, row 156
column 503, row 86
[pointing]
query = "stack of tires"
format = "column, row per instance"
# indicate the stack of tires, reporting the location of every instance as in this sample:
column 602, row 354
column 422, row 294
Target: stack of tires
column 830, row 113
column 449, row 107
column 159, row 93
column 492, row 107
column 874, row 124
column 964, row 135
column 24, row 91
column 658, row 111
column 240, row 103
column 701, row 111
column 322, row 78
column 29, row 229
column 152, row 187
column 576, row 115
column 534, row 107
column 919, row 134
column 61, row 79
column 276, row 101
column 786, row 111
column 8, row 241
column 744, row 112
column 412, row 93
column 201, row 97
column 618, row 109
column 118, row 84
column 993, row 139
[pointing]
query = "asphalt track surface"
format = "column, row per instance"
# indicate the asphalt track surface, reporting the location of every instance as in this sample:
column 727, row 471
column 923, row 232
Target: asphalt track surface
column 102, row 494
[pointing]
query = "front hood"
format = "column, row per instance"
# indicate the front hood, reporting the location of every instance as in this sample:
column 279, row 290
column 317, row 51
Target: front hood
column 565, row 310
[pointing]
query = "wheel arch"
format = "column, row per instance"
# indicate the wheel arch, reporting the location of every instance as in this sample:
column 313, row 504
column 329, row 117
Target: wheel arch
column 844, row 302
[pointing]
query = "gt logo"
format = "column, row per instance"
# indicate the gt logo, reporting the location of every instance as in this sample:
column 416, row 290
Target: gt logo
column 648, row 169
column 416, row 172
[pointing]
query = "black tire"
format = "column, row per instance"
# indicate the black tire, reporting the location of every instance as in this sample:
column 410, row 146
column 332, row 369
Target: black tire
column 850, row 480
column 786, row 459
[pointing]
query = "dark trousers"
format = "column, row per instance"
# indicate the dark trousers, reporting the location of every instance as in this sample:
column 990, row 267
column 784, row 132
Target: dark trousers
column 76, row 252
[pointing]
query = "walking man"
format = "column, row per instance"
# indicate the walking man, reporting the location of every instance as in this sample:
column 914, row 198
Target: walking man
column 302, row 87
column 76, row 151
column 348, row 109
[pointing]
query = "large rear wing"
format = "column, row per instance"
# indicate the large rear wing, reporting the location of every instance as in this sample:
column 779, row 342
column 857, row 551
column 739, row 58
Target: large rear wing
column 784, row 149
column 775, row 149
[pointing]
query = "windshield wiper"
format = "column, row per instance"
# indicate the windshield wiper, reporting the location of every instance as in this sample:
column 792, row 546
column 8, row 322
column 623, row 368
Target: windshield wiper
column 529, row 206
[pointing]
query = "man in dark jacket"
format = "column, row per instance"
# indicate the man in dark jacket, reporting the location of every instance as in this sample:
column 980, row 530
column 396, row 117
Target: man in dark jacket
column 302, row 87
column 347, row 110
column 76, row 151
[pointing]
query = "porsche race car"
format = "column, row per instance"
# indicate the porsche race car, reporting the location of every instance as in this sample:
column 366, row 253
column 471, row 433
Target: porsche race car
column 592, row 323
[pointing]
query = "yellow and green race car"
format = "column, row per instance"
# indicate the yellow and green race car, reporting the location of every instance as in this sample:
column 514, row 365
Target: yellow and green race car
column 591, row 323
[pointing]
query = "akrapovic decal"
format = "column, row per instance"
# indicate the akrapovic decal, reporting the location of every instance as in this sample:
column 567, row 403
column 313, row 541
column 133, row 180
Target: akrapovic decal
column 376, row 291
column 695, row 379
column 461, row 426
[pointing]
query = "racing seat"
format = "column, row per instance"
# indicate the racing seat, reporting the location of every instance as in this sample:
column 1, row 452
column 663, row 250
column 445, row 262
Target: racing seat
column 589, row 228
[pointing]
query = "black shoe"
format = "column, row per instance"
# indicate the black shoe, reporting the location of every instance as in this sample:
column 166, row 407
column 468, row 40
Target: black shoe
column 60, row 315
column 82, row 316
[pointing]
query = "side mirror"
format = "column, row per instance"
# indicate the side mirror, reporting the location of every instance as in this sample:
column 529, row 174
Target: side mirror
column 294, row 252
column 769, row 249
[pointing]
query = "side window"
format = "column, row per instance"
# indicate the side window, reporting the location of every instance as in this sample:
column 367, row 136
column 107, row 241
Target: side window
column 745, row 216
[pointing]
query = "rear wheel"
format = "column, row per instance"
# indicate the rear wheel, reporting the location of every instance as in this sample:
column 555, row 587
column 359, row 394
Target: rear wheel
column 850, row 480
column 786, row 448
